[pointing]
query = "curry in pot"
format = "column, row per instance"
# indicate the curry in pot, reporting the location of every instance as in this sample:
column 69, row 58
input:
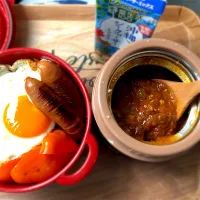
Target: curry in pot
column 144, row 108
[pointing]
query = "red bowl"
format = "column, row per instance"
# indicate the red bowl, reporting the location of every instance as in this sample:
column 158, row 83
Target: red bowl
column 7, row 24
column 9, row 57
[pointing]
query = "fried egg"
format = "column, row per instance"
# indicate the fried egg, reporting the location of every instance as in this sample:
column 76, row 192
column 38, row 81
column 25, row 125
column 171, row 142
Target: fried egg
column 22, row 125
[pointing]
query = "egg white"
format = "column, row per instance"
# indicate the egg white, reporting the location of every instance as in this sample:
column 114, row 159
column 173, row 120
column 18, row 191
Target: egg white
column 12, row 85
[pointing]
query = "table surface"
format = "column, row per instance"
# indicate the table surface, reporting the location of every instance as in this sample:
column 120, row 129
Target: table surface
column 116, row 177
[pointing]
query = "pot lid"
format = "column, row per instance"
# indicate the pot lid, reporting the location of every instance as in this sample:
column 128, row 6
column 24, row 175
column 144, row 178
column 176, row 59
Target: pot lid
column 7, row 24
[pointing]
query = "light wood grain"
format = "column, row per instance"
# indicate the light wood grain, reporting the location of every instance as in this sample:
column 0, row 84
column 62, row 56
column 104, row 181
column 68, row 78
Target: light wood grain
column 181, row 25
column 55, row 12
column 184, row 94
column 69, row 30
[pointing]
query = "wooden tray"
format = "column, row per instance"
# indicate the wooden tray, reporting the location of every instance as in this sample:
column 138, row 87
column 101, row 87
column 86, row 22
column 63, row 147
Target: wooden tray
column 68, row 31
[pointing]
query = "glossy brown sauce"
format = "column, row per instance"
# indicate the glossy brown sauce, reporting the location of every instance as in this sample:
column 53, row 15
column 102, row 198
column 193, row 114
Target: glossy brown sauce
column 146, row 109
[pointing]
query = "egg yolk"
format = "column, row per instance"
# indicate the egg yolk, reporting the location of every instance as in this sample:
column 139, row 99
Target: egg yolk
column 23, row 119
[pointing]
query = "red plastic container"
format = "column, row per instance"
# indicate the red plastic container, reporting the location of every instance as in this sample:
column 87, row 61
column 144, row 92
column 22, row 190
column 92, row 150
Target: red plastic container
column 11, row 55
column 7, row 24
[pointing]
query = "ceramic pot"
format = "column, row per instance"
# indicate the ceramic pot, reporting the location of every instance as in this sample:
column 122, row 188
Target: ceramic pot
column 169, row 55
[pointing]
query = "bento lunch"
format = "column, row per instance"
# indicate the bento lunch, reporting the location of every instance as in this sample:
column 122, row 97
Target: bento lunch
column 40, row 120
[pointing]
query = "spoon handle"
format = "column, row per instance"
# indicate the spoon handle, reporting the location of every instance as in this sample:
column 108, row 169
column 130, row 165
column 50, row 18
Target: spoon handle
column 194, row 87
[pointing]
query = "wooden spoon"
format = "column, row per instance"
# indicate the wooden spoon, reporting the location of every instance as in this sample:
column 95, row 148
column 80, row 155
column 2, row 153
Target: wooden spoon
column 184, row 92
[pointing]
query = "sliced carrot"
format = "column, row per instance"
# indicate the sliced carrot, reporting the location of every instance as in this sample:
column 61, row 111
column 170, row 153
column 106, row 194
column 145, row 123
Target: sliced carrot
column 58, row 142
column 5, row 169
column 35, row 167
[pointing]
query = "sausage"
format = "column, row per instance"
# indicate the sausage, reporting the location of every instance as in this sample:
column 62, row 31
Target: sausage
column 62, row 84
column 53, row 106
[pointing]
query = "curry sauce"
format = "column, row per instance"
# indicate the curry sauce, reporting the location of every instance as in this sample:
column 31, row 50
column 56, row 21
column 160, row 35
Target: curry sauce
column 144, row 108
